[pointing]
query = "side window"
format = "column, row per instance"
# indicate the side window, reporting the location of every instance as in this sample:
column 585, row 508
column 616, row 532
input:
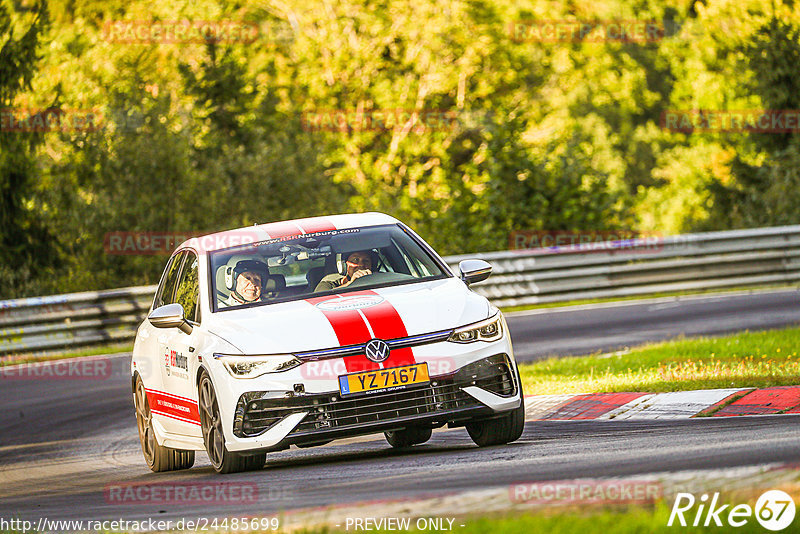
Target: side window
column 383, row 263
column 411, row 267
column 166, row 292
column 188, row 292
column 420, row 267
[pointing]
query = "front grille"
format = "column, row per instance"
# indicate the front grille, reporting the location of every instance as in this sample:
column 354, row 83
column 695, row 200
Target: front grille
column 377, row 408
column 360, row 348
column 257, row 411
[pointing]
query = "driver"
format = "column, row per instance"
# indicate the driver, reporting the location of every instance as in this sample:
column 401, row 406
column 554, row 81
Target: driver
column 247, row 279
column 359, row 263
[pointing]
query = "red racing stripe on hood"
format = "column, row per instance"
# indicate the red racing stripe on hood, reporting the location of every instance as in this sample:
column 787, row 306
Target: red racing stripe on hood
column 350, row 329
column 386, row 323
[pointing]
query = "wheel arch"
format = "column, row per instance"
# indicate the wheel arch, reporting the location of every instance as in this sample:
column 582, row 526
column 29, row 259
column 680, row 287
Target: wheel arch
column 200, row 370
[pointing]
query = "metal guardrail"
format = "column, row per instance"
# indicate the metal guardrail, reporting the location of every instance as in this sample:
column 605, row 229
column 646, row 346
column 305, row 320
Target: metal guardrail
column 72, row 320
column 688, row 262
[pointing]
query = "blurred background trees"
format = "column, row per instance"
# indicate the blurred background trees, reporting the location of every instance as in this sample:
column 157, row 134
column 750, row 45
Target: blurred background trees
column 26, row 244
column 206, row 136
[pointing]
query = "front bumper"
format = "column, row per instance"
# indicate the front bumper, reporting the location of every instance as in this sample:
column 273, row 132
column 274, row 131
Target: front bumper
column 481, row 389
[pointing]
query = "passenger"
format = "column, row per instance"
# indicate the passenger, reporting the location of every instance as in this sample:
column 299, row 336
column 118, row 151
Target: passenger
column 247, row 279
column 358, row 264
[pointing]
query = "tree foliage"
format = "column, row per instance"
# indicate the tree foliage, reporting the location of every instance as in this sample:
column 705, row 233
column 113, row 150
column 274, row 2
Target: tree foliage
column 26, row 245
column 497, row 133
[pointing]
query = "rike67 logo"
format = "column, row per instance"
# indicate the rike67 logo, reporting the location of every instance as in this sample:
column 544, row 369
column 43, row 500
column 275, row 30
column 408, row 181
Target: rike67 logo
column 774, row 510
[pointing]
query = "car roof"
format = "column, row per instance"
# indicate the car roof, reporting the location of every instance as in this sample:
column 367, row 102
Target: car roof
column 294, row 227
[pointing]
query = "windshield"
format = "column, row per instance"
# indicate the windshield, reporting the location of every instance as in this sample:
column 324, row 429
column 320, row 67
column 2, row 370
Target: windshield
column 318, row 264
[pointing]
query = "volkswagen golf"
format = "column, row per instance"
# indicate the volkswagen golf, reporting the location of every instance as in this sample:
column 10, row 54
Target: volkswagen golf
column 301, row 332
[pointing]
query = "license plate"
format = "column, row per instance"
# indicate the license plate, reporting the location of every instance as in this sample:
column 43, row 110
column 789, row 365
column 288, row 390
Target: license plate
column 380, row 380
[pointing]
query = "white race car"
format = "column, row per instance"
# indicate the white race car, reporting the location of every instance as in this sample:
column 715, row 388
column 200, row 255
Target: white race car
column 301, row 332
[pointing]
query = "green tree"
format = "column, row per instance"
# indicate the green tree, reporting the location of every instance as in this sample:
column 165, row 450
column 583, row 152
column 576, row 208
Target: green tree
column 767, row 193
column 26, row 250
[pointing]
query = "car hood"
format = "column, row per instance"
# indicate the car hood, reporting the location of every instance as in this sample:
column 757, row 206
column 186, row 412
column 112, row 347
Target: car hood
column 351, row 317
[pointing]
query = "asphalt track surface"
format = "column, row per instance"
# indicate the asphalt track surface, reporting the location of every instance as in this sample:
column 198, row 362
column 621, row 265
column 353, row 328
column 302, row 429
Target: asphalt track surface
column 616, row 326
column 63, row 443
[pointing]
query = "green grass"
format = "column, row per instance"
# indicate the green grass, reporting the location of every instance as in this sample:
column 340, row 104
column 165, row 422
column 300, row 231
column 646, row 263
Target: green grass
column 749, row 359
column 15, row 359
column 582, row 302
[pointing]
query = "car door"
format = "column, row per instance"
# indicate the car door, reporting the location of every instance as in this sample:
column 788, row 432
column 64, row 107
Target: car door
column 179, row 360
column 148, row 355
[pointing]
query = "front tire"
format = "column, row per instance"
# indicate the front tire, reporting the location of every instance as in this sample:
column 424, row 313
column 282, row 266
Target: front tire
column 502, row 430
column 407, row 437
column 158, row 457
column 223, row 460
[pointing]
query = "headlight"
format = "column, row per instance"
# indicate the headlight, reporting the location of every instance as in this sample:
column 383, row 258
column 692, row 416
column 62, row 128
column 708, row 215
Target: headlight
column 490, row 329
column 257, row 365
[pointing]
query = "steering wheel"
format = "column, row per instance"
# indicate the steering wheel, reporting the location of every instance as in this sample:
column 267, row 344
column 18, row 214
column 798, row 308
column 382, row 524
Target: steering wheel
column 379, row 278
column 367, row 279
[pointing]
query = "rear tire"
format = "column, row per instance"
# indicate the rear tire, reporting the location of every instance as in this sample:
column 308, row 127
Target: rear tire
column 502, row 430
column 222, row 460
column 158, row 457
column 414, row 435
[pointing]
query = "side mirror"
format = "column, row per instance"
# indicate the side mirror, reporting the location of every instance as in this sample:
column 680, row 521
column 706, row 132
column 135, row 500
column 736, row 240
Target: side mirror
column 473, row 271
column 170, row 316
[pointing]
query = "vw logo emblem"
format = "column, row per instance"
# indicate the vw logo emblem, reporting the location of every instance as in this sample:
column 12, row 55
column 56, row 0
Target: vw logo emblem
column 377, row 350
